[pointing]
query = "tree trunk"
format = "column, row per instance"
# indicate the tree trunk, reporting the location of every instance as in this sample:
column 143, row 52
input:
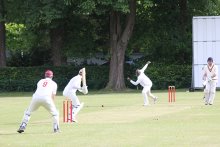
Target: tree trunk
column 56, row 38
column 2, row 35
column 118, row 44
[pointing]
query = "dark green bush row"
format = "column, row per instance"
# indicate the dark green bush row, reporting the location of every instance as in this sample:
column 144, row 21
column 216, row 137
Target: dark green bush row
column 26, row 78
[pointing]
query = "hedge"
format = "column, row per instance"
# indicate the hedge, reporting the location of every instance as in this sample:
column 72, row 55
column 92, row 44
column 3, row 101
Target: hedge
column 26, row 78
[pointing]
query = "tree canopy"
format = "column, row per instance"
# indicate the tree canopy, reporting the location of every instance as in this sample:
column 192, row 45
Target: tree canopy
column 50, row 31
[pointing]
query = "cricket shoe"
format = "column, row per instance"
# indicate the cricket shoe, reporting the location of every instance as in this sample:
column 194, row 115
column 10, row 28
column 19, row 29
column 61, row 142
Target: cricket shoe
column 21, row 129
column 56, row 130
column 74, row 120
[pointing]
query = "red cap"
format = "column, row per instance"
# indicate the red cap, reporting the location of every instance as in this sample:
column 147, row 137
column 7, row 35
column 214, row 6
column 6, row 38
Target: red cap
column 48, row 74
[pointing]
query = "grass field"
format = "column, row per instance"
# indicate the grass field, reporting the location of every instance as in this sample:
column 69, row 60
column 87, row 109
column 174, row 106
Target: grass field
column 122, row 122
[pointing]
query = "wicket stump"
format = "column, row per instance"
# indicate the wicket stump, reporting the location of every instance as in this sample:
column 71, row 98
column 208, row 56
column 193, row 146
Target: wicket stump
column 171, row 94
column 67, row 111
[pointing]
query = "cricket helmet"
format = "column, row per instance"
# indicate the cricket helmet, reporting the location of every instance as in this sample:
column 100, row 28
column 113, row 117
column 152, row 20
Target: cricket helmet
column 48, row 74
column 210, row 59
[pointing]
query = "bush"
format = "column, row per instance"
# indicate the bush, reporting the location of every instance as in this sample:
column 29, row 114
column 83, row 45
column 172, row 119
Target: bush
column 26, row 78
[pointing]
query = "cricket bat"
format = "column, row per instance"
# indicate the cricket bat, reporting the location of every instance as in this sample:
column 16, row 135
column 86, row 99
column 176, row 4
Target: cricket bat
column 85, row 89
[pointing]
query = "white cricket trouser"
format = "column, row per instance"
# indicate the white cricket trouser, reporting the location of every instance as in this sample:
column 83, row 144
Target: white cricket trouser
column 75, row 101
column 48, row 104
column 147, row 92
column 210, row 90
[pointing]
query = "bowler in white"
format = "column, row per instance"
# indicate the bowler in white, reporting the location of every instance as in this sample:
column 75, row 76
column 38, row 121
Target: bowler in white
column 145, row 82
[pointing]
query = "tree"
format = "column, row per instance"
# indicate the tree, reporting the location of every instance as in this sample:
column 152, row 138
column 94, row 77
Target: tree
column 2, row 35
column 119, row 39
column 50, row 16
column 121, row 15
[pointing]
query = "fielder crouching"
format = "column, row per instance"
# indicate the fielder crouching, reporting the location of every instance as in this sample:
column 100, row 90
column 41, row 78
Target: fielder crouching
column 43, row 96
column 145, row 82
column 70, row 93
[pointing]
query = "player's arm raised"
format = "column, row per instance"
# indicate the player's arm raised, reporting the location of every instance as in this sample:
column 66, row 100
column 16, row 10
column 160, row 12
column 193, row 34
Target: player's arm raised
column 145, row 66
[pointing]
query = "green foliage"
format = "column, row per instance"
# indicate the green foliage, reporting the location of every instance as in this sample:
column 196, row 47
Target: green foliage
column 159, row 31
column 18, row 38
column 99, row 6
column 25, row 47
column 44, row 13
column 85, row 39
column 25, row 78
column 205, row 8
column 87, row 6
column 163, row 29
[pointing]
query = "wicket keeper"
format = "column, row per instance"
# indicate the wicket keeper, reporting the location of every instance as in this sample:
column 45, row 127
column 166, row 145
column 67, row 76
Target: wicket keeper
column 145, row 82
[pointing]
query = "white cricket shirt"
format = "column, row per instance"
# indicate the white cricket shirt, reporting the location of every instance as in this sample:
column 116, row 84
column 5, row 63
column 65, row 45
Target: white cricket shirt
column 143, row 80
column 46, row 87
column 210, row 71
column 74, row 84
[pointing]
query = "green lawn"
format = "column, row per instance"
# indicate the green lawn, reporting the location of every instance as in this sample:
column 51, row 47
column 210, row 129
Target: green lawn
column 122, row 122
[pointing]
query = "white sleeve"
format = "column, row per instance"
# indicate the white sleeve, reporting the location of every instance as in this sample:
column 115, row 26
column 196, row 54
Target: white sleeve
column 144, row 68
column 135, row 83
column 77, row 84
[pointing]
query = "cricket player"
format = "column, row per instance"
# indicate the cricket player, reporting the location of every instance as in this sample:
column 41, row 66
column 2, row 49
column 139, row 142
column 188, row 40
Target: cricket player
column 210, row 75
column 145, row 82
column 70, row 93
column 43, row 96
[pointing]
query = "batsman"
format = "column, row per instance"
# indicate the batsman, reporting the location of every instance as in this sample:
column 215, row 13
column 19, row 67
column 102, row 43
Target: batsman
column 70, row 92
column 210, row 76
column 145, row 82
